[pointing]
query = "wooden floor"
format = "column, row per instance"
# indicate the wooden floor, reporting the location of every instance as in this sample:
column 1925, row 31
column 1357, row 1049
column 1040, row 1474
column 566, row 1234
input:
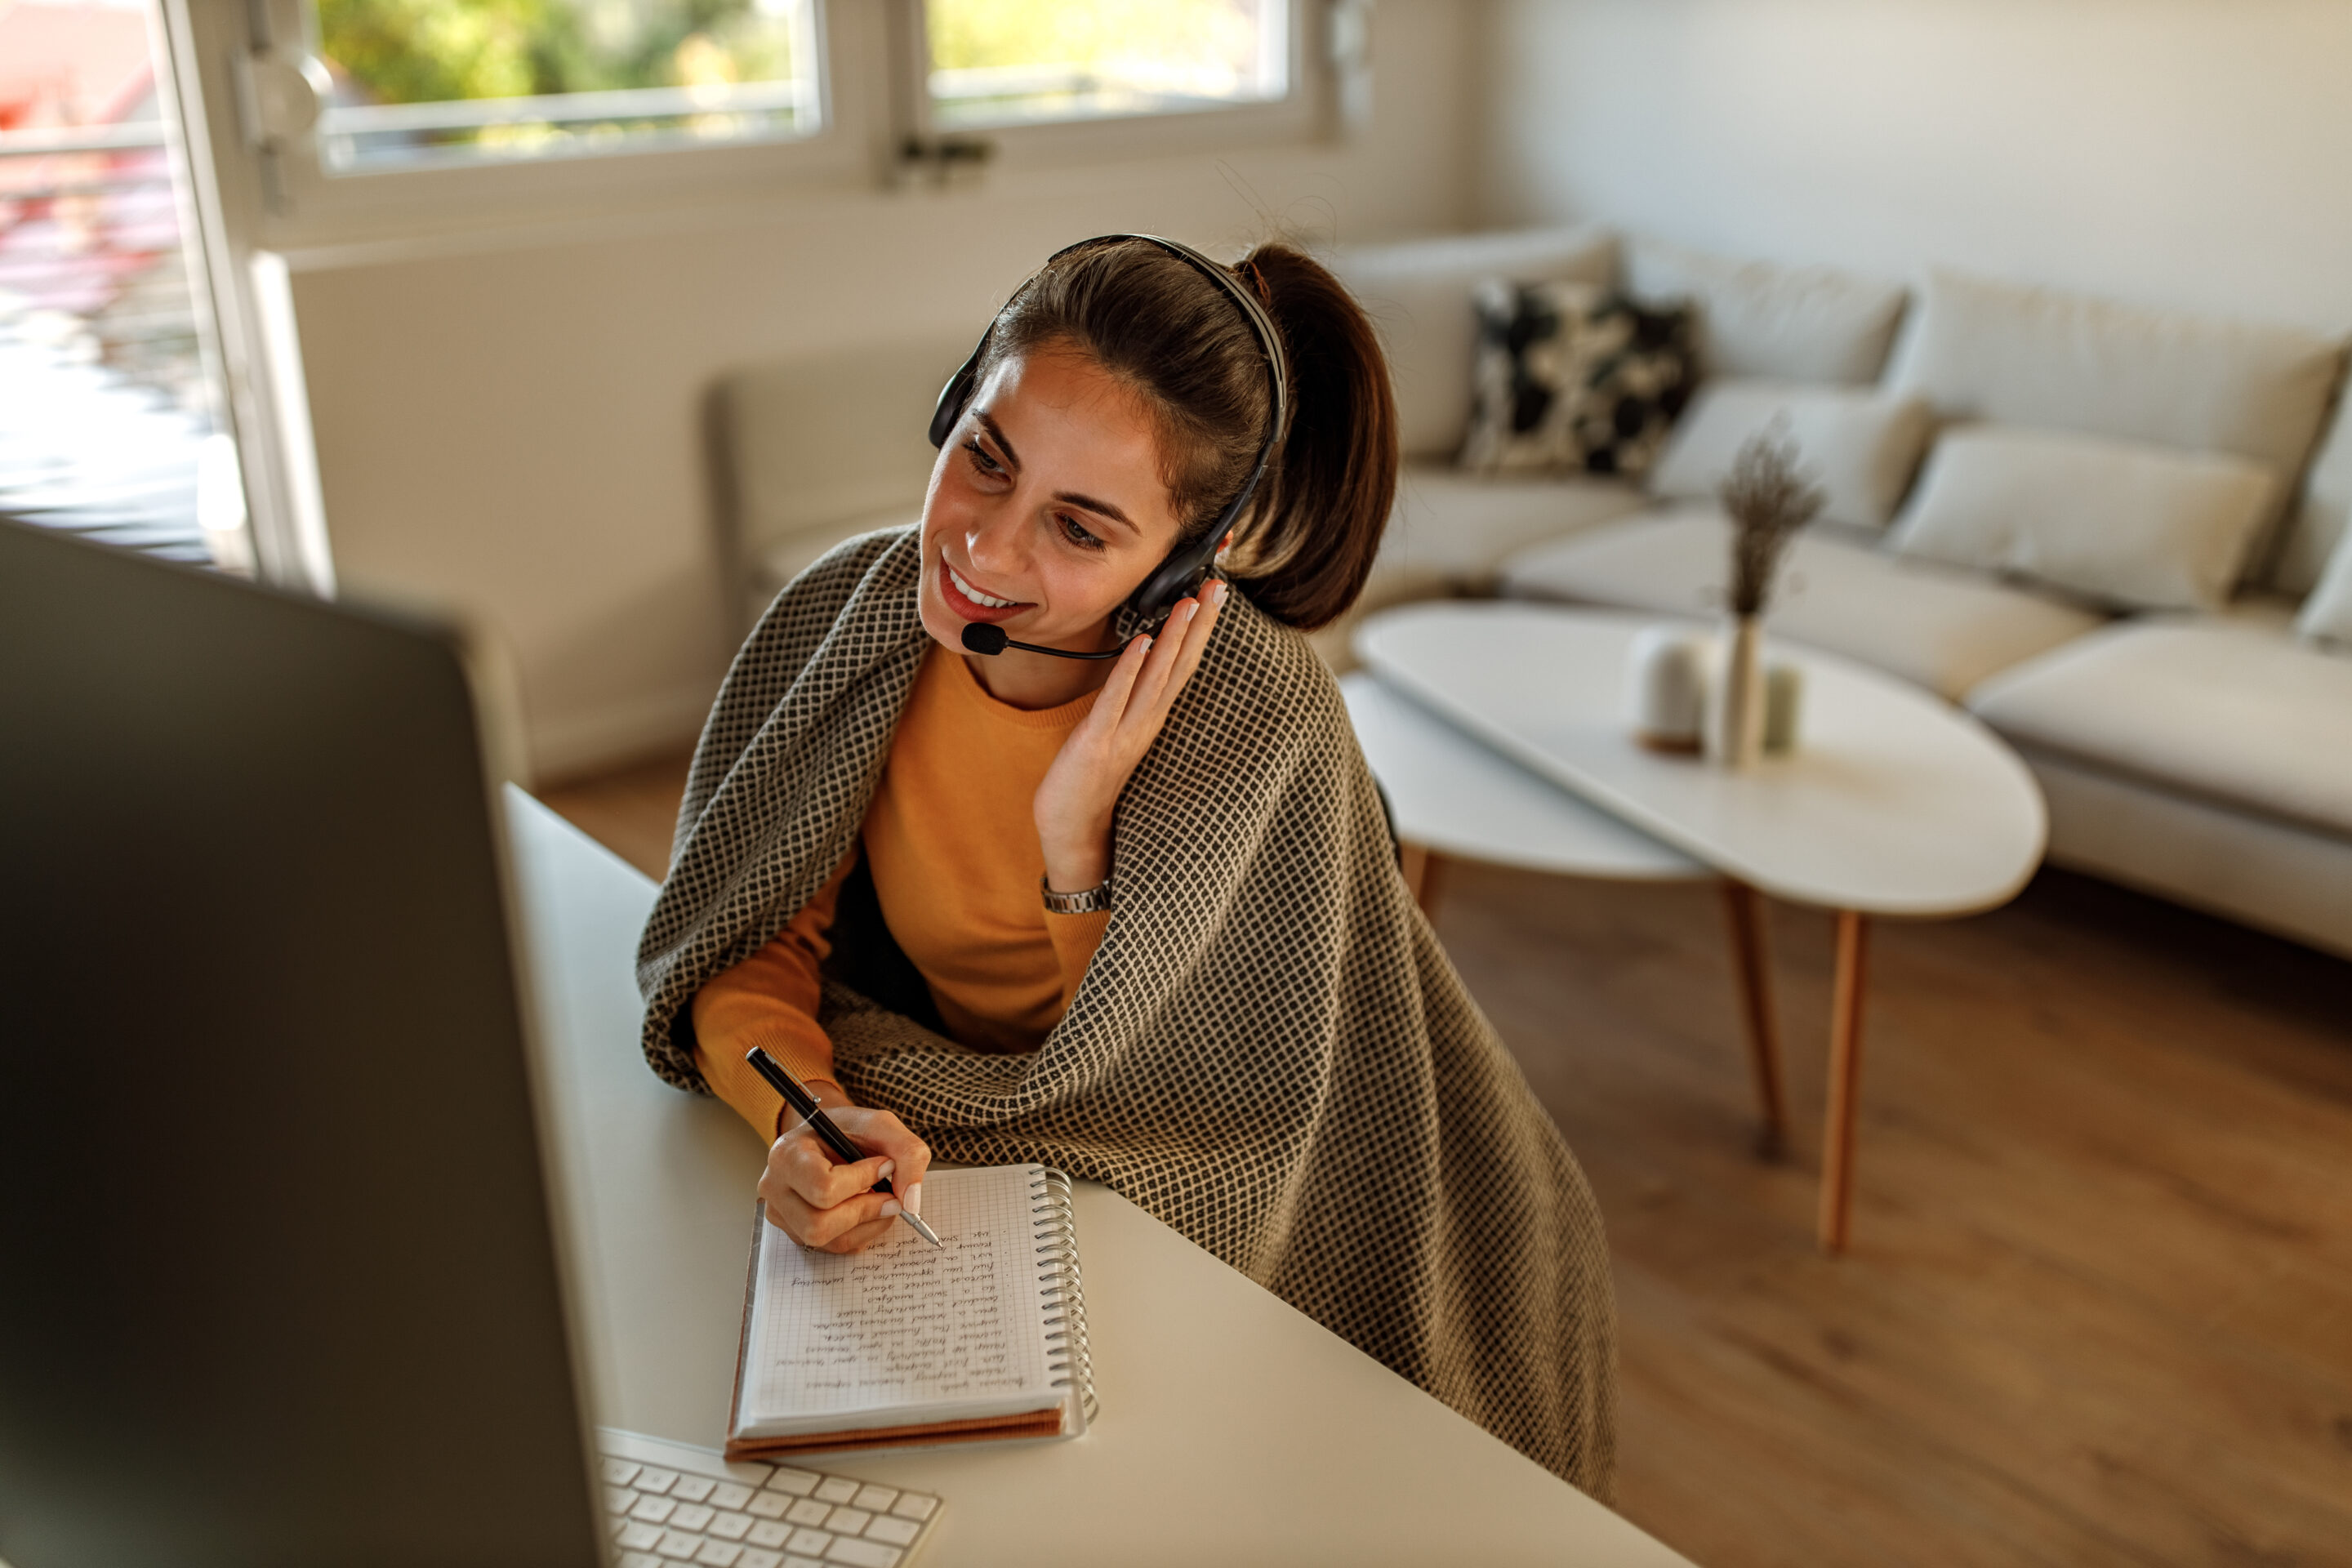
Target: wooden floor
column 2099, row 1304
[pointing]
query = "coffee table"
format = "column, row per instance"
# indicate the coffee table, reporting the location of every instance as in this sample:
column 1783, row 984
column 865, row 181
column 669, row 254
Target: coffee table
column 1456, row 797
column 1895, row 803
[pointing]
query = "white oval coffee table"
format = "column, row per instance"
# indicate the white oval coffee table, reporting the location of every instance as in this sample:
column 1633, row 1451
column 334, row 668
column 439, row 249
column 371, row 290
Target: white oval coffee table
column 1456, row 798
column 1895, row 803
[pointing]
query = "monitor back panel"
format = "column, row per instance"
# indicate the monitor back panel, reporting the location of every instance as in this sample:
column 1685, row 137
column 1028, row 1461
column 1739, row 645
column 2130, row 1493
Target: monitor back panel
column 276, row 1278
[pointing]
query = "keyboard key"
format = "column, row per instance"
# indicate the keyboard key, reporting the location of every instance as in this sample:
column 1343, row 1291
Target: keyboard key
column 768, row 1532
column 718, row 1554
column 849, row 1521
column 809, row 1542
column 800, row 1483
column 619, row 1499
column 653, row 1510
column 759, row 1557
column 677, row 1544
column 894, row 1531
column 693, row 1516
column 914, row 1505
column 768, row 1505
column 803, row 1562
column 639, row 1560
column 621, row 1472
column 808, row 1511
column 731, row 1526
column 863, row 1554
column 651, row 1480
column 876, row 1499
column 636, row 1536
column 727, row 1494
column 693, row 1489
column 836, row 1489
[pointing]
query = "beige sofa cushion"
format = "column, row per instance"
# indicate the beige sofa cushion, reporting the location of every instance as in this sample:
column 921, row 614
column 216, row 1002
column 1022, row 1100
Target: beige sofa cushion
column 1762, row 319
column 1417, row 293
column 1983, row 350
column 2225, row 710
column 2327, row 616
column 2121, row 522
column 1451, row 530
column 2315, row 526
column 1946, row 630
column 1859, row 447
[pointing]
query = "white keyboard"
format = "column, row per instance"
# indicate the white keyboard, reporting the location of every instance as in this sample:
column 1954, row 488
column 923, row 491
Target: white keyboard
column 668, row 1503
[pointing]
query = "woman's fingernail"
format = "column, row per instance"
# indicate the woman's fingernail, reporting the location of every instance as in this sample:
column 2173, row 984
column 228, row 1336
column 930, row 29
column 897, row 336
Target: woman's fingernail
column 1216, row 593
column 1147, row 645
column 889, row 1208
column 915, row 1200
column 889, row 1167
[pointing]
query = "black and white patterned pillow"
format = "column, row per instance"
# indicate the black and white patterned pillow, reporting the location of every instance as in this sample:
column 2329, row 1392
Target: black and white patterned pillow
column 1575, row 377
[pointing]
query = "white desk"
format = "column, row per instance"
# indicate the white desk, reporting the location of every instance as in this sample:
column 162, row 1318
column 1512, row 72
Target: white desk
column 1233, row 1429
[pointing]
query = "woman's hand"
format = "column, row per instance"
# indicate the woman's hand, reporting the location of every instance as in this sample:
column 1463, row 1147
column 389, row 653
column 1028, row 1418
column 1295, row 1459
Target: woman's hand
column 831, row 1206
column 1074, row 803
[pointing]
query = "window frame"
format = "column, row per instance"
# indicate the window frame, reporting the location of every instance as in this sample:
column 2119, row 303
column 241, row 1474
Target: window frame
column 305, row 204
column 872, row 70
column 1302, row 112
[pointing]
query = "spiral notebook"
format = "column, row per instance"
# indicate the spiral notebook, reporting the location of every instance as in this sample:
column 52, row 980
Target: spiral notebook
column 984, row 1337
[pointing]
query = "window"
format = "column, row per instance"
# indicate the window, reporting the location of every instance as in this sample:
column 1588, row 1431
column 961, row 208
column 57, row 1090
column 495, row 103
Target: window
column 368, row 119
column 1023, row 62
column 420, row 81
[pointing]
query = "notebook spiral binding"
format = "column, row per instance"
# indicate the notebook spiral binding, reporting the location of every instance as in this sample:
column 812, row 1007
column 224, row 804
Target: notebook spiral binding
column 1064, row 1292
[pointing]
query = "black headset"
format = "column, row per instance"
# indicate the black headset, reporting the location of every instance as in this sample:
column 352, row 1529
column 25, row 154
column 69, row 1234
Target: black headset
column 1188, row 565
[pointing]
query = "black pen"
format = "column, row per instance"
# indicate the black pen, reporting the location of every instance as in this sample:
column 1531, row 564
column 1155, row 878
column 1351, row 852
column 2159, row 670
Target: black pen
column 802, row 1100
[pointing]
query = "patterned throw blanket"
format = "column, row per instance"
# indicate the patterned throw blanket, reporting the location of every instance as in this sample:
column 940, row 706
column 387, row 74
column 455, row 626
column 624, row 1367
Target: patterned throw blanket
column 1270, row 1053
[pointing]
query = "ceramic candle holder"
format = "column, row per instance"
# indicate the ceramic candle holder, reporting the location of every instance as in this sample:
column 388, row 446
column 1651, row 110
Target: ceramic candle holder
column 1665, row 688
column 1784, row 695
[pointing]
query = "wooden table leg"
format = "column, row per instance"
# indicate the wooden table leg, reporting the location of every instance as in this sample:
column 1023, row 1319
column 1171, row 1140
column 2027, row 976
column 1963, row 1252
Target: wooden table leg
column 1424, row 875
column 1845, row 1081
column 1751, row 957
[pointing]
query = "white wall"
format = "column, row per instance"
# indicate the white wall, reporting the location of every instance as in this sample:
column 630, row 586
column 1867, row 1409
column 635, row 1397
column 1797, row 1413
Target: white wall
column 2190, row 153
column 514, row 426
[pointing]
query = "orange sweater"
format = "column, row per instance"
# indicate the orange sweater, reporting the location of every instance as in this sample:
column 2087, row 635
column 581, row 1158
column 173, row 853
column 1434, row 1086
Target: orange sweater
column 952, row 843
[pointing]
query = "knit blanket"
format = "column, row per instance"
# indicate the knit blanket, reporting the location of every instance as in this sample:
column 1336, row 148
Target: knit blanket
column 1270, row 1052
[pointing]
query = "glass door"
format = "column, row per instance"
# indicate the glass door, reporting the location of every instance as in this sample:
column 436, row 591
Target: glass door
column 111, row 417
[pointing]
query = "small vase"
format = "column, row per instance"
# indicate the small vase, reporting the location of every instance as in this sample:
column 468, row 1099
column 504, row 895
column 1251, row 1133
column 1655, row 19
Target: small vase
column 1735, row 698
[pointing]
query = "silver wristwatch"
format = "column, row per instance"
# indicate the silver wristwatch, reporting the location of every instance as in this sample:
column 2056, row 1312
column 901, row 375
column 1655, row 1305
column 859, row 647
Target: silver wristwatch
column 1093, row 900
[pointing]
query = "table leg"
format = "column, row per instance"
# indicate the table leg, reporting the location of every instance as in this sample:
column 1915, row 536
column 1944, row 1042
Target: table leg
column 1752, row 956
column 1424, row 875
column 1845, row 1081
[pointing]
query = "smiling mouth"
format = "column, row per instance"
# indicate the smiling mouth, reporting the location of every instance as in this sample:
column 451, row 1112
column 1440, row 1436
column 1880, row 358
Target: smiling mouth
column 968, row 602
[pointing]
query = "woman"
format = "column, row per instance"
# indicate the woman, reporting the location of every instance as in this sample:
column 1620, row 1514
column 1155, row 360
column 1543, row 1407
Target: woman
column 1223, row 1002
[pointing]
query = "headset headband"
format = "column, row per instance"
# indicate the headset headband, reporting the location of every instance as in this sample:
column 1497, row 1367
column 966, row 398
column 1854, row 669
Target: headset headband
column 1187, row 564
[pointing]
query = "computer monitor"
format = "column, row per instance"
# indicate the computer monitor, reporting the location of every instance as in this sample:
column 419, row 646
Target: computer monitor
column 277, row 1276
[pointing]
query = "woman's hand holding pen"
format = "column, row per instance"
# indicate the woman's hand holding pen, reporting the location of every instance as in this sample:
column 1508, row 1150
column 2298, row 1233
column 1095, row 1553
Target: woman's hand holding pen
column 822, row 1203
column 1080, row 792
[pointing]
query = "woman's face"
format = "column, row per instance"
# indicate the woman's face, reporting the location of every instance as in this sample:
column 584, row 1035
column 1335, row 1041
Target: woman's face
column 1046, row 507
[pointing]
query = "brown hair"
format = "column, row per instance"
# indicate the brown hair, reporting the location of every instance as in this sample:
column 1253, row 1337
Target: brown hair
column 1305, row 547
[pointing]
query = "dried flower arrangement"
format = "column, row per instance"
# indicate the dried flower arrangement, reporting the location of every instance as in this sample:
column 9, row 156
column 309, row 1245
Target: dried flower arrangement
column 1768, row 501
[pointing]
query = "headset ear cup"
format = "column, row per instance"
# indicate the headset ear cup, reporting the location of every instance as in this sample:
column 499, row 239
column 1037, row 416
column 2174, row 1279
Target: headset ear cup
column 1182, row 573
column 957, row 394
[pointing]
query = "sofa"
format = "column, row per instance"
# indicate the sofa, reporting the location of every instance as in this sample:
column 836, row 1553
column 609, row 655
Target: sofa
column 2111, row 533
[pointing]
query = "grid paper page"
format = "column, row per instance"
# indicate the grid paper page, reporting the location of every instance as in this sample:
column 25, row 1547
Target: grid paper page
column 905, row 1323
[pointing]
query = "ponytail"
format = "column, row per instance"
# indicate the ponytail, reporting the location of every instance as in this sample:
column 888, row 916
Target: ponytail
column 1310, row 543
column 1305, row 549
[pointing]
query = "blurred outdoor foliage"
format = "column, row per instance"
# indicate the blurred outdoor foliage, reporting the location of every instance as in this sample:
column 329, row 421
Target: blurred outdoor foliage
column 430, row 51
column 424, row 51
column 973, row 35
